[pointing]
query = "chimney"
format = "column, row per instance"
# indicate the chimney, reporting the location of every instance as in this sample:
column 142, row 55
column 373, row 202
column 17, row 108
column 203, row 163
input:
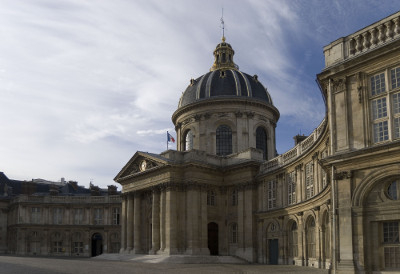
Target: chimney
column 112, row 190
column 299, row 138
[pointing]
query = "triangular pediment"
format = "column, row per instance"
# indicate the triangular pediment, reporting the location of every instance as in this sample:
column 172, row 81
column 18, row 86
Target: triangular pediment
column 141, row 162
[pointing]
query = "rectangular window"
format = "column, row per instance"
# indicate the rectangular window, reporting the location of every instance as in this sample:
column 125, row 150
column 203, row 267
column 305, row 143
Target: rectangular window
column 78, row 216
column 379, row 108
column 392, row 257
column 381, row 132
column 57, row 247
column 116, row 215
column 396, row 103
column 35, row 215
column 391, row 242
column 57, row 216
column 291, row 188
column 271, row 194
column 98, row 216
column 78, row 247
column 377, row 84
column 396, row 126
column 309, row 180
column 391, row 232
column 395, row 77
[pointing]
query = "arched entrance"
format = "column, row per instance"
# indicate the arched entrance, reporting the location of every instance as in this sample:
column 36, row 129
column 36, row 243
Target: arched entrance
column 213, row 238
column 97, row 244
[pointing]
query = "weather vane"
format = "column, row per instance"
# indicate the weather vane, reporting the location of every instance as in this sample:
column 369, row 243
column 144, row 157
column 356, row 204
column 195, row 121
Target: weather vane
column 223, row 26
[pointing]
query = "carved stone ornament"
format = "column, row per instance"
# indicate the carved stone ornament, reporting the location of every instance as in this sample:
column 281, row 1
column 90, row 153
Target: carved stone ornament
column 339, row 84
column 238, row 114
column 197, row 117
column 343, row 175
column 250, row 114
column 187, row 121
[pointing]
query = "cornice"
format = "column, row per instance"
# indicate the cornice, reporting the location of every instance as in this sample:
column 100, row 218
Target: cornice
column 228, row 100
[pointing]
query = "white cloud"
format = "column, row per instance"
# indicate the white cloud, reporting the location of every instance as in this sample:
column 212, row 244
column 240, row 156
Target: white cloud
column 85, row 84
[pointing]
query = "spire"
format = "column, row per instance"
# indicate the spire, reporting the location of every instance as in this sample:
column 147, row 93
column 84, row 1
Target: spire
column 223, row 26
column 223, row 53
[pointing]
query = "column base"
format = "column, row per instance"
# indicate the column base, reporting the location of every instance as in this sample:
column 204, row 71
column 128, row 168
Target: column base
column 154, row 251
column 136, row 251
column 170, row 251
column 128, row 250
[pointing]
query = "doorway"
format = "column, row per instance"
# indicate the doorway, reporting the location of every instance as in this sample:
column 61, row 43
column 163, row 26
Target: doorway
column 97, row 244
column 273, row 251
column 213, row 238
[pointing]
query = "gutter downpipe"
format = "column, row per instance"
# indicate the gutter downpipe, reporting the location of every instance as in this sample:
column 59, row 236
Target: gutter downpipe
column 333, row 185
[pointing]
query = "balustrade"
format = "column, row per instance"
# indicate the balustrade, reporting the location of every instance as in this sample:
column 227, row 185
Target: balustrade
column 373, row 37
column 296, row 151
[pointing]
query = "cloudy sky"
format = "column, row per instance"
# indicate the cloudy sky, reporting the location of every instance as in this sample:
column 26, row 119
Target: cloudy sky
column 85, row 84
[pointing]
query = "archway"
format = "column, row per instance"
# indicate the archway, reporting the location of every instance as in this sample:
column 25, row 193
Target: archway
column 97, row 244
column 213, row 238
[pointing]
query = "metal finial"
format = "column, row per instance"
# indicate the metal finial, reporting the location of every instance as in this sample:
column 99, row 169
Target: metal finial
column 223, row 26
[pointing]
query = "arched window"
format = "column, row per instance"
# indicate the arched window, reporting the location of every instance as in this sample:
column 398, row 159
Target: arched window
column 224, row 140
column 311, row 238
column 293, row 241
column 233, row 233
column 188, row 139
column 261, row 141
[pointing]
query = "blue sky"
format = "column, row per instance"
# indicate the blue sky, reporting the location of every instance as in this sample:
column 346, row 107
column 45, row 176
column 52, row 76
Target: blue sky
column 85, row 84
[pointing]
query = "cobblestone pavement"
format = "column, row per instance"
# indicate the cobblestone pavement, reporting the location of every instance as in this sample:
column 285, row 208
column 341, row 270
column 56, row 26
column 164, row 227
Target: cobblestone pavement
column 45, row 265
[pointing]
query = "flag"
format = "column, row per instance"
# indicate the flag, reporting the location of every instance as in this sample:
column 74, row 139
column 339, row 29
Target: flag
column 170, row 138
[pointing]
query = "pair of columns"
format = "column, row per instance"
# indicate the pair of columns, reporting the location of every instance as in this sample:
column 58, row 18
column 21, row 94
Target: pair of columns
column 165, row 228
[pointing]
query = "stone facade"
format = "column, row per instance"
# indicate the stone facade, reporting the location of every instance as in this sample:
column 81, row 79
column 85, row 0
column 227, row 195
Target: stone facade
column 58, row 219
column 332, row 201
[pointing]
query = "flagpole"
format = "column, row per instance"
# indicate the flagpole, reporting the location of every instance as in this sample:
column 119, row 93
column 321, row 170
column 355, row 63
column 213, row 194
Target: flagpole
column 167, row 139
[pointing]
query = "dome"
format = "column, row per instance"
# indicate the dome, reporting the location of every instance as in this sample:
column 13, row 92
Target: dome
column 224, row 80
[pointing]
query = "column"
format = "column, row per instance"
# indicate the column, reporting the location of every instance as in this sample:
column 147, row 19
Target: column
column 300, row 242
column 136, row 223
column 203, row 223
column 162, row 220
column 193, row 226
column 123, row 223
column 248, row 224
column 129, row 223
column 171, row 221
column 155, row 215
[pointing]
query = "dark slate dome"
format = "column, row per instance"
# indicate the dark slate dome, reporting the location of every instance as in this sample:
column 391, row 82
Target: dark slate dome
column 224, row 80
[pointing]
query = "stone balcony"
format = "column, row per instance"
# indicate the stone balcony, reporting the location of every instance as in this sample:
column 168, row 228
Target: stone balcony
column 367, row 39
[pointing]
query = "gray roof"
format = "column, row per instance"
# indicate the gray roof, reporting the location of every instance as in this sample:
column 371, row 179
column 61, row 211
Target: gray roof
column 229, row 83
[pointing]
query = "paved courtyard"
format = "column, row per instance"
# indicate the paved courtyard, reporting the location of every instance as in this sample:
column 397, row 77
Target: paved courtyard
column 44, row 265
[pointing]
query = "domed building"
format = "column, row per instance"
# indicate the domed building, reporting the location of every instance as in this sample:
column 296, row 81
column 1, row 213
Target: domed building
column 200, row 199
column 332, row 201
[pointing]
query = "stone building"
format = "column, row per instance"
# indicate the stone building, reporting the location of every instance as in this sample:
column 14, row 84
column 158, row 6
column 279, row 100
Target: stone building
column 332, row 201
column 40, row 217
